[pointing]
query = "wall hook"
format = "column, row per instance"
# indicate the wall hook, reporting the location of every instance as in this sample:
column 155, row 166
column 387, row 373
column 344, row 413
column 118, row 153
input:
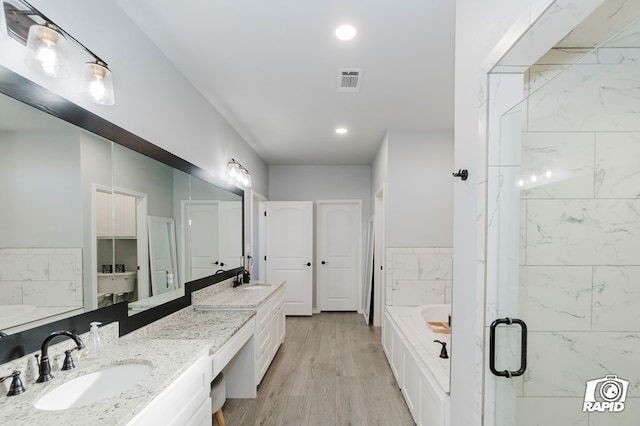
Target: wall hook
column 462, row 174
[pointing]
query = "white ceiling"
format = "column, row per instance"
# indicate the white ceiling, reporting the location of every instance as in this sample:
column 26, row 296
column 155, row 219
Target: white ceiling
column 271, row 69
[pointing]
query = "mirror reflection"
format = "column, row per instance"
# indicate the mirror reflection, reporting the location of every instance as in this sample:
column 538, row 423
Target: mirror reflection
column 92, row 223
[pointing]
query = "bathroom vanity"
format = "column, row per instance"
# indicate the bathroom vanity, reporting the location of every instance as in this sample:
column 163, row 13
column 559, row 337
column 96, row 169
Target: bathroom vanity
column 232, row 330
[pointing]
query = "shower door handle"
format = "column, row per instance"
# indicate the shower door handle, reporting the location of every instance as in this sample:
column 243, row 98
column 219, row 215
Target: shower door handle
column 523, row 347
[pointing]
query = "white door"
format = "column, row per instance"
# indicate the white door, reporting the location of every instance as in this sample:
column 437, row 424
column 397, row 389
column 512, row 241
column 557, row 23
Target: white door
column 202, row 239
column 230, row 234
column 339, row 234
column 289, row 236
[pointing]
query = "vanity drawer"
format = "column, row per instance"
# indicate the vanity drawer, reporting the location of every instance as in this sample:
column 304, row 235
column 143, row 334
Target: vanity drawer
column 263, row 315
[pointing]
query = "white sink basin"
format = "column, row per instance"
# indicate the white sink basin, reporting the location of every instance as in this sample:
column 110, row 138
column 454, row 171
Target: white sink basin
column 254, row 286
column 93, row 387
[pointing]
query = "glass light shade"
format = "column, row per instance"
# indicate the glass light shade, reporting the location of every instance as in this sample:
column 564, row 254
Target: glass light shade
column 97, row 83
column 45, row 52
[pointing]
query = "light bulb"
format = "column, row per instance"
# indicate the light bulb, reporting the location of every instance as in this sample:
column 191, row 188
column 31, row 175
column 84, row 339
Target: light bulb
column 45, row 52
column 345, row 32
column 98, row 83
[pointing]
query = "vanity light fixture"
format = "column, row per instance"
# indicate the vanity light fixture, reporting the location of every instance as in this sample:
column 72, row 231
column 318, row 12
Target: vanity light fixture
column 47, row 50
column 238, row 175
column 341, row 130
column 345, row 32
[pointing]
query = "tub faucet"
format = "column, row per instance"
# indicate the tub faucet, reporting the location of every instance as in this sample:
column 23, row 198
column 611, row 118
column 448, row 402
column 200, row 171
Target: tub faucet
column 45, row 365
column 443, row 351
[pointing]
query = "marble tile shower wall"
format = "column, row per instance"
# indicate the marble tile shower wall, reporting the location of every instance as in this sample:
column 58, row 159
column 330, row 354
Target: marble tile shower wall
column 580, row 228
column 41, row 276
column 419, row 276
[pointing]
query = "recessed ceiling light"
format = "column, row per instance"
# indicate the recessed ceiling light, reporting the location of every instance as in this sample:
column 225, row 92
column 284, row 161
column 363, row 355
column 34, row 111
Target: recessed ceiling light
column 345, row 32
column 341, row 130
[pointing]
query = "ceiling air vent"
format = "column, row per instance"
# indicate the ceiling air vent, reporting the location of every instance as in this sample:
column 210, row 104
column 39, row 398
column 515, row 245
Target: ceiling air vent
column 349, row 79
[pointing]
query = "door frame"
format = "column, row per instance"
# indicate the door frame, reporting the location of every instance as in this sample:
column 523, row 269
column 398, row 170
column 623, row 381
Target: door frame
column 359, row 260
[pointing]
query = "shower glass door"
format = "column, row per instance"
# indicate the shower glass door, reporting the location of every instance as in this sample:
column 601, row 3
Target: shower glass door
column 566, row 253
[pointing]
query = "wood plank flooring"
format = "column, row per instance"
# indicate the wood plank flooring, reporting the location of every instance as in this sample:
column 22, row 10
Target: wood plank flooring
column 331, row 370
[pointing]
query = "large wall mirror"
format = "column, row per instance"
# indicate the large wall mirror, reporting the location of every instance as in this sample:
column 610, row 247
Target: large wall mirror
column 86, row 223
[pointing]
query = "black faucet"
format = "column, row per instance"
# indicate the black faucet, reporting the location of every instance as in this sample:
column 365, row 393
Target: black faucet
column 16, row 387
column 45, row 365
column 238, row 280
column 443, row 352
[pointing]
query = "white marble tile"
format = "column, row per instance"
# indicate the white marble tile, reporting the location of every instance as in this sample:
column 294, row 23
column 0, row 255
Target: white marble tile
column 561, row 162
column 505, row 119
column 605, row 21
column 630, row 36
column 628, row 417
column 10, row 293
column 503, row 241
column 583, row 232
column 560, row 364
column 550, row 411
column 448, row 291
column 617, row 165
column 22, row 267
column 436, row 266
column 556, row 298
column 64, row 266
column 52, row 293
column 568, row 56
column 405, row 266
column 616, row 298
column 415, row 293
column 588, row 98
column 619, row 55
column 539, row 75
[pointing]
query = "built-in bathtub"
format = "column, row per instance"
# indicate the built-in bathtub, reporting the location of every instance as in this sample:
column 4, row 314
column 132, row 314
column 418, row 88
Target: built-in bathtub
column 415, row 359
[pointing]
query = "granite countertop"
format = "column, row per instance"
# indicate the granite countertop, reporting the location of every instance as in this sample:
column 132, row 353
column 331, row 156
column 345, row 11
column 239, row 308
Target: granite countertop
column 246, row 296
column 170, row 346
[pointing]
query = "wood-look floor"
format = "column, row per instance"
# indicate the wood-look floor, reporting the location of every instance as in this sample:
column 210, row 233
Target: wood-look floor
column 331, row 370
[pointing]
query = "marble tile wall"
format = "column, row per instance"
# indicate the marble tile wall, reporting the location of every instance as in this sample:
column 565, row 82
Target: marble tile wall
column 579, row 275
column 41, row 276
column 419, row 276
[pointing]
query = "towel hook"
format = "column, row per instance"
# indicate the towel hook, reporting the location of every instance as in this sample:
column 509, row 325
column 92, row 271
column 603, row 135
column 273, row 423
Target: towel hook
column 462, row 174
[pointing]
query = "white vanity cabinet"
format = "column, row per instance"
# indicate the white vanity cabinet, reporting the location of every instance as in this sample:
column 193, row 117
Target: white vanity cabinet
column 186, row 401
column 270, row 331
column 426, row 400
column 123, row 223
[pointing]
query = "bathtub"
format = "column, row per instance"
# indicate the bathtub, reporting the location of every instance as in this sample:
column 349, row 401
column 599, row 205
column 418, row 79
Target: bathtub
column 414, row 357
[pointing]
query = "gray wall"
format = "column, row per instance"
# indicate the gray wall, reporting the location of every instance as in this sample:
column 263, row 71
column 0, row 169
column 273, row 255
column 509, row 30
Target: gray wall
column 40, row 189
column 419, row 199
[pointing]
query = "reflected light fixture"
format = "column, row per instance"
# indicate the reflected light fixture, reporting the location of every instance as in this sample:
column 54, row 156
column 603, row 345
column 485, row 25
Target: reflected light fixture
column 47, row 51
column 341, row 130
column 345, row 32
column 238, row 175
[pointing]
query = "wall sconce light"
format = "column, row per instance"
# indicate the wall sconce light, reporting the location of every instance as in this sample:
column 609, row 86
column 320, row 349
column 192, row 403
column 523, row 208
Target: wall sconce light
column 238, row 175
column 47, row 50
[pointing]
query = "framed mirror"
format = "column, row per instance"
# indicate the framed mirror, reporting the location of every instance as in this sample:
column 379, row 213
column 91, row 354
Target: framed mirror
column 75, row 235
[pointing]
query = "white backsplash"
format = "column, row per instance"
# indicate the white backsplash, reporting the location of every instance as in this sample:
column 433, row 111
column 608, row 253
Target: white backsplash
column 41, row 276
column 419, row 276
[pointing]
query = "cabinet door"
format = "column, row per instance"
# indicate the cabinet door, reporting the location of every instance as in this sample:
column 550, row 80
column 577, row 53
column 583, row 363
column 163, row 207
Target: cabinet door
column 104, row 218
column 125, row 218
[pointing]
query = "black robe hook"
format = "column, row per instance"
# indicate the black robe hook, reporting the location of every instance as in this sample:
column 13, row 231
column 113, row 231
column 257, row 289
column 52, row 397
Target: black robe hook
column 462, row 174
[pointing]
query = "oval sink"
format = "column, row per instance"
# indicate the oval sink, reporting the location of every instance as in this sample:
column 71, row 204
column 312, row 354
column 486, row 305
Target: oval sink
column 93, row 387
column 255, row 286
